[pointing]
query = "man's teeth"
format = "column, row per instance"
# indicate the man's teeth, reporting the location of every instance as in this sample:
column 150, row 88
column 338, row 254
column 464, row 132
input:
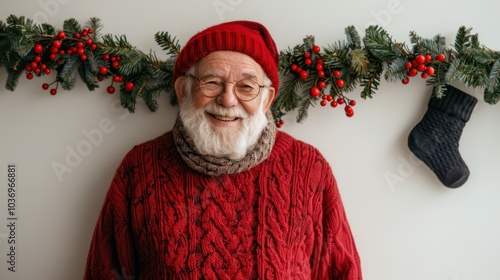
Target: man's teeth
column 224, row 118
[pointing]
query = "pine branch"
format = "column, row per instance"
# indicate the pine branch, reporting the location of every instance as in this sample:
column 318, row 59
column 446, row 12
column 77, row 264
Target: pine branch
column 381, row 46
column 71, row 26
column 12, row 78
column 396, row 70
column 462, row 39
column 371, row 80
column 168, row 43
column 353, row 38
column 69, row 73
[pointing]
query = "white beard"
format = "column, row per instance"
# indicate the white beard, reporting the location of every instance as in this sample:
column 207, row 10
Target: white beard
column 218, row 141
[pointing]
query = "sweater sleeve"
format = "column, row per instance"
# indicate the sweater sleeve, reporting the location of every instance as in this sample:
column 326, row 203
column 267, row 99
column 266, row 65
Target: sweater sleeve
column 111, row 254
column 338, row 254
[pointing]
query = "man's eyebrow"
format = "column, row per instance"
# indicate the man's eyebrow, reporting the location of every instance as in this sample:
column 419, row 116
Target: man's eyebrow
column 252, row 76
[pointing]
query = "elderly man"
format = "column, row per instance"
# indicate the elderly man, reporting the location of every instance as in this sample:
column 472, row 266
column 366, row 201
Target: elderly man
column 224, row 195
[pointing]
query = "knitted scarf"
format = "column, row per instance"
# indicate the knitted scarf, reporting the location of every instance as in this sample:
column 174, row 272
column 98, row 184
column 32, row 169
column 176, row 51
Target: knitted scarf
column 216, row 166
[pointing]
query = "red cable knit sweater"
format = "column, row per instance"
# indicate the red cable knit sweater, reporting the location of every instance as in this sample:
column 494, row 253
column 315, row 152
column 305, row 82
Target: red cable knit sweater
column 282, row 219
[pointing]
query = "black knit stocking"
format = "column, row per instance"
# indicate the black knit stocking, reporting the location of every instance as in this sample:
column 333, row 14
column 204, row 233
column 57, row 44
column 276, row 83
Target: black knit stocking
column 434, row 140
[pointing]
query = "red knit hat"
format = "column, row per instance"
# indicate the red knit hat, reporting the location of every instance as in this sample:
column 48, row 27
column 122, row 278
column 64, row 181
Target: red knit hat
column 250, row 38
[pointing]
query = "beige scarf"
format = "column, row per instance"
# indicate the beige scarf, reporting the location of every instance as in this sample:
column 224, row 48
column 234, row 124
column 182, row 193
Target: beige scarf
column 216, row 166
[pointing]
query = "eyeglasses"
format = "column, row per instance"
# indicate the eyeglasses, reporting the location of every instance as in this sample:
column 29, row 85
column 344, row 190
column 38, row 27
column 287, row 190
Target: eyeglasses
column 212, row 86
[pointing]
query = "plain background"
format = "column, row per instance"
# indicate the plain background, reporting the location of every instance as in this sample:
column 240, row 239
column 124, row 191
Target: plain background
column 407, row 225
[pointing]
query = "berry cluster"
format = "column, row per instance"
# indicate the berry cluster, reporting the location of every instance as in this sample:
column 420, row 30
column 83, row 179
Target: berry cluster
column 341, row 100
column 114, row 64
column 423, row 64
column 55, row 51
column 61, row 46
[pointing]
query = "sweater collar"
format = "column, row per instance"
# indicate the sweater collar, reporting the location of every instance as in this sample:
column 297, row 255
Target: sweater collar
column 217, row 166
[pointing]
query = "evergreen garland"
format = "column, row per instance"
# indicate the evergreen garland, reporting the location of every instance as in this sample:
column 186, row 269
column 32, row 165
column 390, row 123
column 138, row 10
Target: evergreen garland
column 308, row 73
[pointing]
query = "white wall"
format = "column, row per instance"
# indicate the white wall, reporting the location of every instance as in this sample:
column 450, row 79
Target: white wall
column 413, row 229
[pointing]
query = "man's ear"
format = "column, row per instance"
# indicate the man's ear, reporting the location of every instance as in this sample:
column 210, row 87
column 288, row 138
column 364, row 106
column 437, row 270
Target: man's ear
column 271, row 93
column 180, row 88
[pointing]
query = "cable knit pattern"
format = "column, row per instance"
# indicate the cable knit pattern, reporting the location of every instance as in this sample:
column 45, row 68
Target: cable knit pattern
column 281, row 219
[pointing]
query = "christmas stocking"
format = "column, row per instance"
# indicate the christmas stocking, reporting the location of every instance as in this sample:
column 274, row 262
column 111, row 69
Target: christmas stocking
column 434, row 140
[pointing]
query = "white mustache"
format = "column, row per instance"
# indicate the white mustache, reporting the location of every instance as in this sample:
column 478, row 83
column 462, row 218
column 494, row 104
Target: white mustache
column 226, row 113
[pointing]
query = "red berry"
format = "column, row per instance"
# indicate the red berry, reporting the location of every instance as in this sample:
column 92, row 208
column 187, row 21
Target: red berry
column 428, row 58
column 340, row 83
column 105, row 56
column 37, row 58
column 423, row 75
column 56, row 43
column 33, row 65
column 319, row 67
column 89, row 42
column 323, row 103
column 348, row 109
column 349, row 114
column 85, row 32
column 321, row 84
column 61, row 35
column 307, row 54
column 47, row 71
column 28, row 68
column 420, row 59
column 53, row 91
column 80, row 51
column 61, row 52
column 117, row 79
column 37, row 71
column 293, row 67
column 429, row 71
column 129, row 86
column 77, row 35
column 336, row 73
column 54, row 50
column 282, row 121
column 319, row 61
column 413, row 72
column 29, row 76
column 408, row 65
column 321, row 74
column 52, row 56
column 83, row 57
column 103, row 70
column 279, row 125
column 405, row 81
column 45, row 86
column 90, row 30
column 93, row 47
column 316, row 49
column 440, row 57
column 314, row 92
column 329, row 98
column 100, row 79
column 304, row 75
column 340, row 100
column 111, row 89
column 308, row 61
column 80, row 45
column 421, row 67
column 352, row 102
column 38, row 48
column 115, row 64
column 334, row 104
